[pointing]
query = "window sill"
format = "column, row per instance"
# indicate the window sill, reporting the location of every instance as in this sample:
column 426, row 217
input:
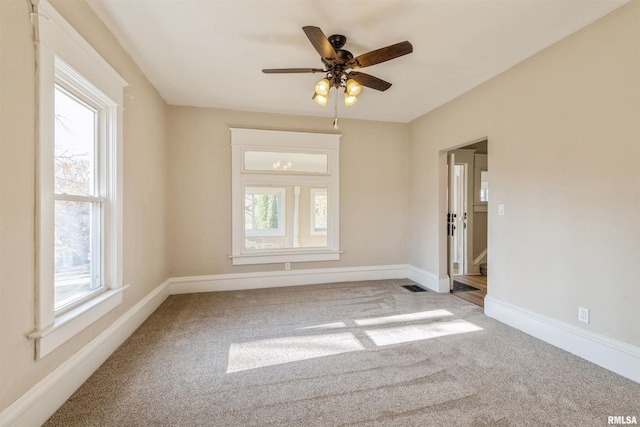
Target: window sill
column 69, row 324
column 279, row 257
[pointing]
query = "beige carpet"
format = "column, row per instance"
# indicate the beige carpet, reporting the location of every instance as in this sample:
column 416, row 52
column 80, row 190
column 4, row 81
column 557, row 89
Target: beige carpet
column 346, row 354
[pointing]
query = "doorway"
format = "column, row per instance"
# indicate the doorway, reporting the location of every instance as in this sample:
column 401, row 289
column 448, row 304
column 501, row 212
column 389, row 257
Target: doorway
column 467, row 201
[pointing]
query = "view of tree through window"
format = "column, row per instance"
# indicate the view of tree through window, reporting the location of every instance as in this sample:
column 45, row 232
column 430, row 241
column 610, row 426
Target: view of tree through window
column 262, row 210
column 320, row 210
column 76, row 221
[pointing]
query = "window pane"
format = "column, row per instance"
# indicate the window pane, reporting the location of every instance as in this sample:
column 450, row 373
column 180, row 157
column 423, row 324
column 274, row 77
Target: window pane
column 484, row 186
column 264, row 211
column 272, row 224
column 285, row 162
column 319, row 210
column 77, row 250
column 75, row 141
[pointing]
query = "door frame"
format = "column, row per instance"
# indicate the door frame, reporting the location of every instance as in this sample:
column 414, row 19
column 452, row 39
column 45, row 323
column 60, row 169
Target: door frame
column 445, row 263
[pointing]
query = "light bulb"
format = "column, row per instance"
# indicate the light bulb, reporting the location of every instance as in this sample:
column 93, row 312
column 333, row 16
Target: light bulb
column 349, row 100
column 353, row 87
column 322, row 87
column 320, row 99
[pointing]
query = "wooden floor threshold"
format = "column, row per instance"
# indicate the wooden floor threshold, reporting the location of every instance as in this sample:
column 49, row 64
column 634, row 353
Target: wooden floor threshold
column 475, row 297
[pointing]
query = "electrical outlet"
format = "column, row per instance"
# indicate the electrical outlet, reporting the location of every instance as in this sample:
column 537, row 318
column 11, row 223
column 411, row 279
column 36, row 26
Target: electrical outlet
column 287, row 266
column 583, row 314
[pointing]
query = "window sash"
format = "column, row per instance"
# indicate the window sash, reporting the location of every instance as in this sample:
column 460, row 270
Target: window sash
column 80, row 292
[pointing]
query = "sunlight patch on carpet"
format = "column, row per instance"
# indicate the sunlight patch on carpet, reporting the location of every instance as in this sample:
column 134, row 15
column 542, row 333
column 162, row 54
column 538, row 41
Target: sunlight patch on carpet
column 276, row 351
column 403, row 317
column 334, row 325
column 403, row 334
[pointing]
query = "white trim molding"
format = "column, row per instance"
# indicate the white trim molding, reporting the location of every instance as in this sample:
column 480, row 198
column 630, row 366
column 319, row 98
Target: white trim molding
column 611, row 354
column 272, row 279
column 428, row 279
column 41, row 401
column 71, row 323
column 480, row 257
column 66, row 60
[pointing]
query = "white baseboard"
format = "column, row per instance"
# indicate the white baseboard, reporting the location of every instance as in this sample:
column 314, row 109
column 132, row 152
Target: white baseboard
column 611, row 354
column 270, row 279
column 428, row 279
column 42, row 400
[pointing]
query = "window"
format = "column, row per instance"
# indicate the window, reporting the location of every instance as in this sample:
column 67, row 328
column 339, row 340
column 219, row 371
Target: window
column 285, row 196
column 480, row 183
column 484, row 186
column 79, row 209
column 264, row 211
column 79, row 201
column 318, row 211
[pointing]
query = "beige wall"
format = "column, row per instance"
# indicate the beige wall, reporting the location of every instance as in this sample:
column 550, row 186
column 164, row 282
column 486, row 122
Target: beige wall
column 564, row 156
column 145, row 264
column 373, row 189
column 479, row 233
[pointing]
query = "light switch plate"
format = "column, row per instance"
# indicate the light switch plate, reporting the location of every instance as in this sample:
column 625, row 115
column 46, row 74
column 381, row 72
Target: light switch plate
column 500, row 209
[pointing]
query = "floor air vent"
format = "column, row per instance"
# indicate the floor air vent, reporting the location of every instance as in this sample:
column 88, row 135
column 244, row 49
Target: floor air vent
column 414, row 288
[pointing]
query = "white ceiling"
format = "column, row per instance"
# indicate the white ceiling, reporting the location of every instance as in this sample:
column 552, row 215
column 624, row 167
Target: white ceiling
column 210, row 53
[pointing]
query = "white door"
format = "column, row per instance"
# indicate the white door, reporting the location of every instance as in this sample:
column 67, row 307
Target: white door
column 451, row 217
column 460, row 221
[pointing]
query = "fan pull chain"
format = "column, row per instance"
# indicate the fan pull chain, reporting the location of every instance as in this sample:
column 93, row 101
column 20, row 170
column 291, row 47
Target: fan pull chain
column 335, row 107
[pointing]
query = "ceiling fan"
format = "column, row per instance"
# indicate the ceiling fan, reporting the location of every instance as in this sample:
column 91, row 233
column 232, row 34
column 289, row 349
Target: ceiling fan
column 339, row 65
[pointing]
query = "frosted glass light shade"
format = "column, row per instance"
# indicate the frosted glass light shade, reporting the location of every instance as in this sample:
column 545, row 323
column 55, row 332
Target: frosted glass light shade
column 349, row 100
column 353, row 87
column 322, row 87
column 320, row 99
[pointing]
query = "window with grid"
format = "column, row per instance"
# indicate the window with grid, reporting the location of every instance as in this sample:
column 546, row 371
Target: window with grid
column 79, row 185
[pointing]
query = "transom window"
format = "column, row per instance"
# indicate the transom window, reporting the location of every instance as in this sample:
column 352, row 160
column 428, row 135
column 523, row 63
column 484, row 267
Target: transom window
column 285, row 196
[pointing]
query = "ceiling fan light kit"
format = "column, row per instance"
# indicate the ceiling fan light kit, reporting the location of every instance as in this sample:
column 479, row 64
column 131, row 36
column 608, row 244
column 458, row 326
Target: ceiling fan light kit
column 322, row 87
column 320, row 99
column 349, row 100
column 353, row 88
column 339, row 65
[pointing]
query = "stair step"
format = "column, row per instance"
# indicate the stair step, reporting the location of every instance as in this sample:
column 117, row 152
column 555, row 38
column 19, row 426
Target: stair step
column 483, row 268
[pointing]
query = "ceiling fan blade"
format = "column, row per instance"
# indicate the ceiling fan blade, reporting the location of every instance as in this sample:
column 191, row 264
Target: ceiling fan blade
column 292, row 70
column 381, row 55
column 320, row 42
column 369, row 81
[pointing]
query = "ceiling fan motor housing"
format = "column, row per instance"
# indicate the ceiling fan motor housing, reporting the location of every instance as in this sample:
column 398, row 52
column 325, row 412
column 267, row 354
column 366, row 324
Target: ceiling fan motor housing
column 337, row 41
column 336, row 69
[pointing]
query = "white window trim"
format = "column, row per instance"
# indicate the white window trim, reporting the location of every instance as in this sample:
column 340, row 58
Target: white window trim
column 312, row 210
column 62, row 53
column 282, row 206
column 267, row 140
